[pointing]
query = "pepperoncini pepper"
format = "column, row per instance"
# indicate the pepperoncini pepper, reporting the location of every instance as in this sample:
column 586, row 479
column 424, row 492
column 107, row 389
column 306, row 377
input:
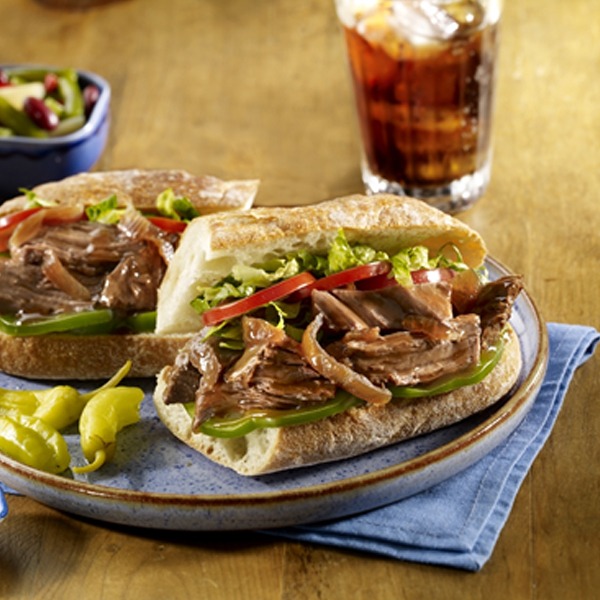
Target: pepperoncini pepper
column 62, row 405
column 109, row 411
column 20, row 401
column 33, row 442
column 31, row 420
column 59, row 406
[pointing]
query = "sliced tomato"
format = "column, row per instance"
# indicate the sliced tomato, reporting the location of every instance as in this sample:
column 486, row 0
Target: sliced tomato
column 168, row 225
column 378, row 282
column 347, row 277
column 432, row 275
column 9, row 222
column 275, row 292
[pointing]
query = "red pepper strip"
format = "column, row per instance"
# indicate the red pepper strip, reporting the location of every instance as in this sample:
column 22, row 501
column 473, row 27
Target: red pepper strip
column 9, row 222
column 168, row 225
column 346, row 277
column 274, row 292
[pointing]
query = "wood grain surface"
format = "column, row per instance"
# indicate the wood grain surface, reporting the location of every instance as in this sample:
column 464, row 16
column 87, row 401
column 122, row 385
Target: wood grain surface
column 260, row 89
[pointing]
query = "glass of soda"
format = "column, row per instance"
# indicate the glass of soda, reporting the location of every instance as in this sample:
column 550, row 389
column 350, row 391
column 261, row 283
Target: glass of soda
column 424, row 74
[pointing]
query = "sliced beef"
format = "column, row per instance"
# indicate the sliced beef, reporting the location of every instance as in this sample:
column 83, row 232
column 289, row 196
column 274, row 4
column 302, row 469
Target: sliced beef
column 272, row 371
column 494, row 306
column 338, row 316
column 85, row 265
column 132, row 285
column 84, row 247
column 25, row 288
column 403, row 358
column 389, row 307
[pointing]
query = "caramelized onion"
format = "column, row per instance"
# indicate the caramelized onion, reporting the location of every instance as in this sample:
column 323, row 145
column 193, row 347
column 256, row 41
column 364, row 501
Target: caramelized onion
column 344, row 377
column 29, row 228
column 61, row 279
column 137, row 227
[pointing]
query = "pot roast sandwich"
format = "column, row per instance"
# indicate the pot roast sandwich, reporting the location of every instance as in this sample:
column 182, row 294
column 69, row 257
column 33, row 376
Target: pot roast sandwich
column 81, row 263
column 330, row 330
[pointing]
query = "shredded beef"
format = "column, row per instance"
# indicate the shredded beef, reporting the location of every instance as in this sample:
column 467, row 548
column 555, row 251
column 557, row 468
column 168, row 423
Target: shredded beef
column 494, row 306
column 403, row 358
column 84, row 265
column 394, row 336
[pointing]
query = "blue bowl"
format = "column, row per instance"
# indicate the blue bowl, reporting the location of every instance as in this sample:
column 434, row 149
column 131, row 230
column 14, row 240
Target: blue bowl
column 27, row 162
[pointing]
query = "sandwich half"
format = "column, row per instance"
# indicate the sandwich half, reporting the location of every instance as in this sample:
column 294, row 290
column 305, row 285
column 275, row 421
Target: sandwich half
column 327, row 331
column 81, row 262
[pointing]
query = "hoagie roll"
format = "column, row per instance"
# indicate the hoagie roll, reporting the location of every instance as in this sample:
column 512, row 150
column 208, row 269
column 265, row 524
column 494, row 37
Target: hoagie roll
column 327, row 331
column 82, row 260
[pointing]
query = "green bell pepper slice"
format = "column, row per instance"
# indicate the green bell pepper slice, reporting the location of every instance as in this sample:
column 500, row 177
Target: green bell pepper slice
column 92, row 322
column 259, row 419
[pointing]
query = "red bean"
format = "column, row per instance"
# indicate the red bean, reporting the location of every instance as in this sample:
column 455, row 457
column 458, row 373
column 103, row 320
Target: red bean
column 4, row 79
column 90, row 96
column 40, row 114
column 50, row 82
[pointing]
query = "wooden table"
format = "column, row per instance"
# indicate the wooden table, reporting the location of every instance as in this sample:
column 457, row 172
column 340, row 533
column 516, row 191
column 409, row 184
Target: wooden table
column 260, row 89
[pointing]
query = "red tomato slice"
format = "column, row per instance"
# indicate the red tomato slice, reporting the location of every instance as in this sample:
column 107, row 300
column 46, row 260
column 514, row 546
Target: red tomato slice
column 10, row 221
column 13, row 219
column 432, row 275
column 168, row 225
column 376, row 283
column 351, row 275
column 274, row 292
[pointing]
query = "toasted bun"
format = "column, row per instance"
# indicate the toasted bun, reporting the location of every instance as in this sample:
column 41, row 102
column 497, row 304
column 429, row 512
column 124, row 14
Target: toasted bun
column 140, row 187
column 348, row 434
column 64, row 356
column 212, row 245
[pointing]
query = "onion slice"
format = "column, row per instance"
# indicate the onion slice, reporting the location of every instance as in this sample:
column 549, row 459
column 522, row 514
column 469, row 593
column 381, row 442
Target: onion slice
column 54, row 215
column 343, row 376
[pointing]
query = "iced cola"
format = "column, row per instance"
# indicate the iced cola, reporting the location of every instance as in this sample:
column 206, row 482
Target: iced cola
column 423, row 73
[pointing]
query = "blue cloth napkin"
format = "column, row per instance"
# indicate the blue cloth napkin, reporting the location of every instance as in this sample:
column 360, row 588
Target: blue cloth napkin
column 457, row 522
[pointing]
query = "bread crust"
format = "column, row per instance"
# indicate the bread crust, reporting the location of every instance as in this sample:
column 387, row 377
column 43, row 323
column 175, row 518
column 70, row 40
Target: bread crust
column 79, row 357
column 64, row 356
column 211, row 246
column 357, row 431
column 140, row 187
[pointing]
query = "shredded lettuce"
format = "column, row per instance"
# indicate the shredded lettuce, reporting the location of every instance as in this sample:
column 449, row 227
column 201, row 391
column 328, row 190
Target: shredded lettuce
column 34, row 201
column 105, row 211
column 173, row 207
column 244, row 280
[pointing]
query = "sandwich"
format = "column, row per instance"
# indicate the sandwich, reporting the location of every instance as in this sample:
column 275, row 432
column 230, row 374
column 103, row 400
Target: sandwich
column 327, row 331
column 81, row 263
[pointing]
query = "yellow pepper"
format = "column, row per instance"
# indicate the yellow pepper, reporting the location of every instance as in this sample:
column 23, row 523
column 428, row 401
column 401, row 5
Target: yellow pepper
column 33, row 442
column 62, row 405
column 108, row 411
column 59, row 406
column 21, row 401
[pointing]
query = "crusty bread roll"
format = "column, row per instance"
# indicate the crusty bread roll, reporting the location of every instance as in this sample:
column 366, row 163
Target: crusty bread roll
column 65, row 356
column 214, row 244
column 140, row 187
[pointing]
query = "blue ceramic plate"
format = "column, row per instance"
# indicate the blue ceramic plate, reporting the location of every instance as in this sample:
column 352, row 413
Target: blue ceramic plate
column 155, row 481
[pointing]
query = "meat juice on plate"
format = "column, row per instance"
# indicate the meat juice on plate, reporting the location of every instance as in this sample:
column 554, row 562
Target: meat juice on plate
column 423, row 73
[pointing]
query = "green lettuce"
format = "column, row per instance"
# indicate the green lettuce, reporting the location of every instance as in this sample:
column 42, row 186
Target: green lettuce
column 244, row 280
column 174, row 207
